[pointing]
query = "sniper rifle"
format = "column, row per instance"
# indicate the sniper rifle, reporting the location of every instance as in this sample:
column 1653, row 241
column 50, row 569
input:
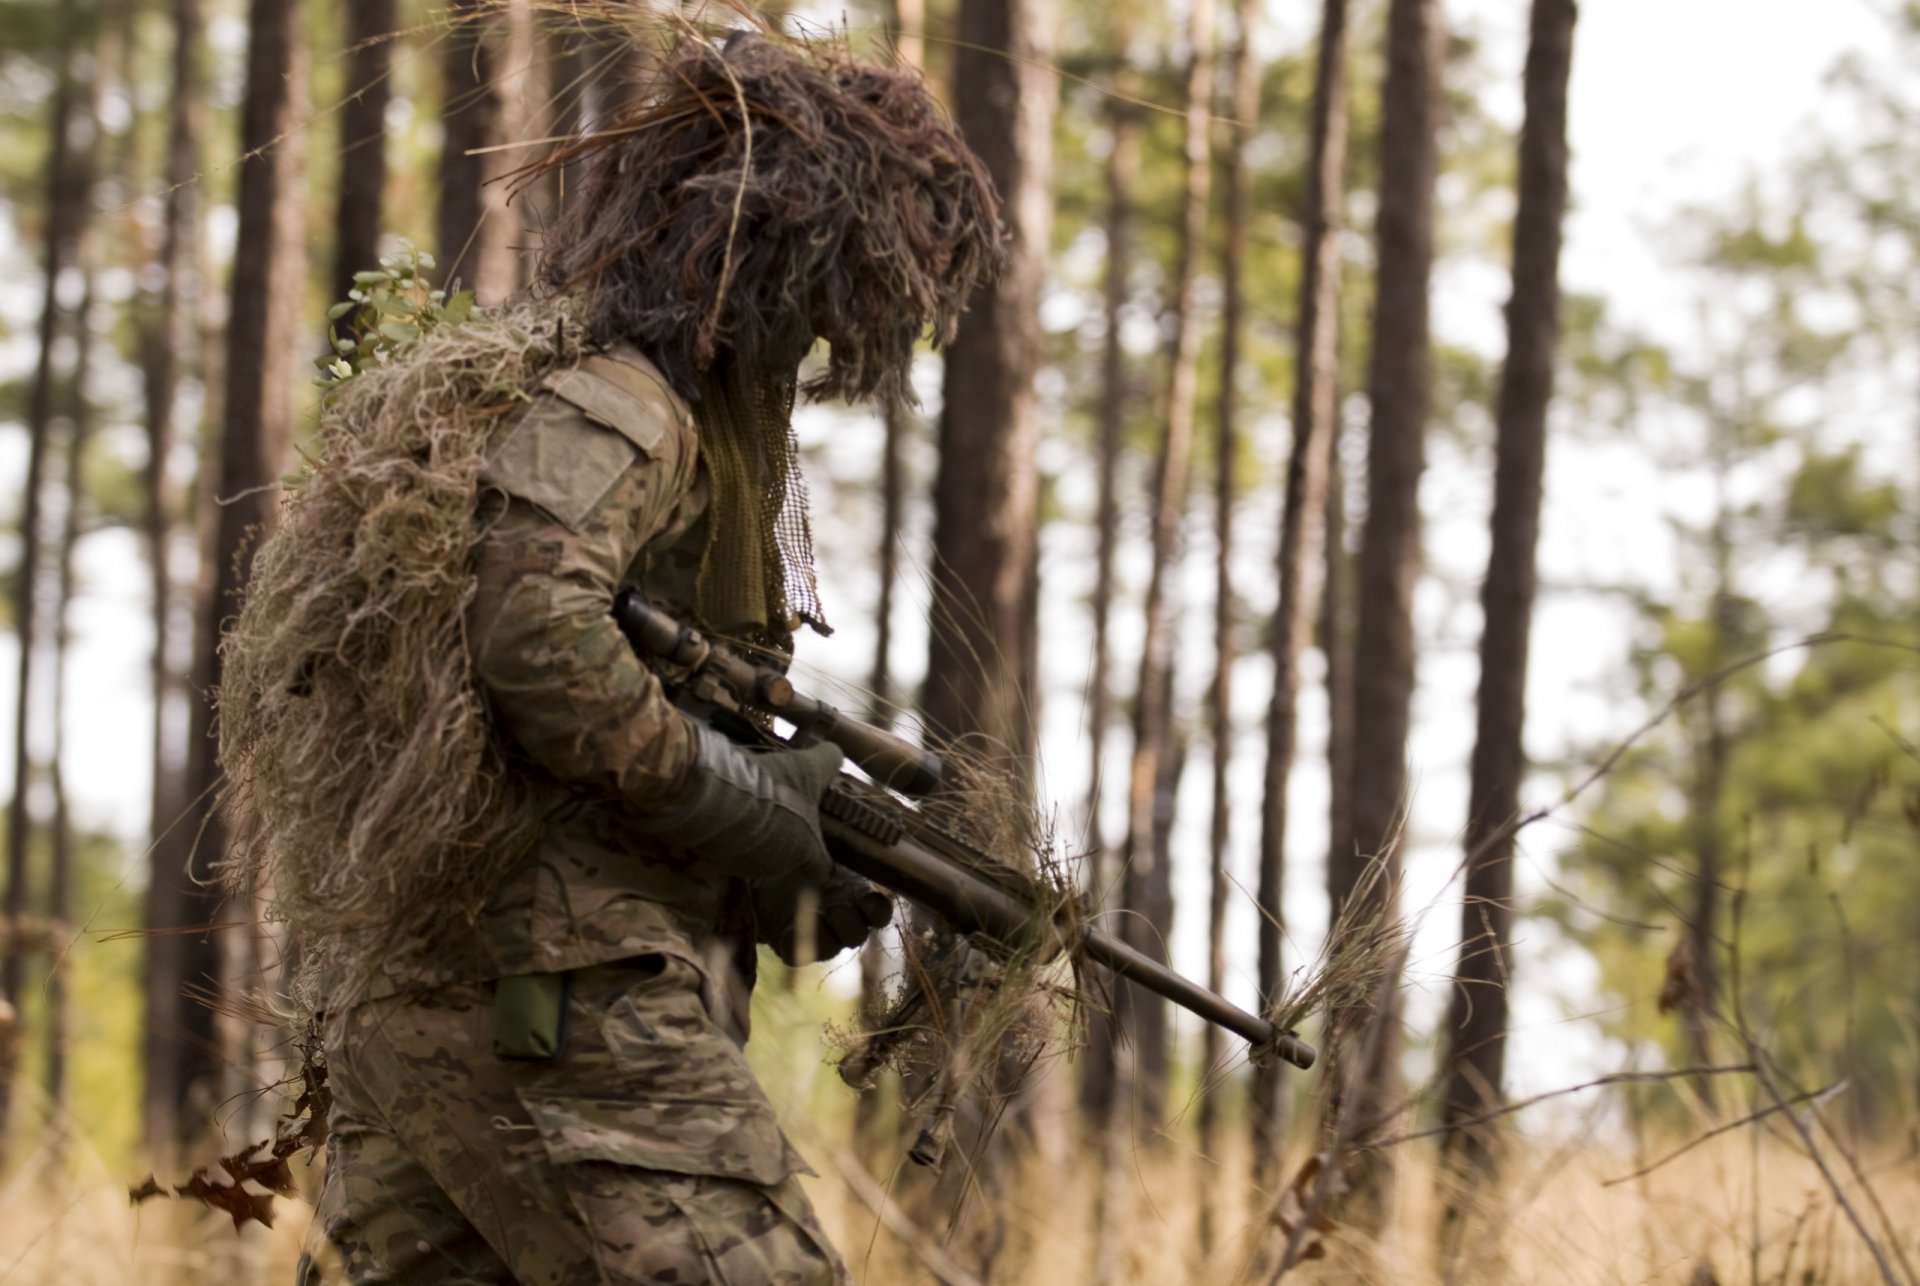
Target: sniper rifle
column 896, row 846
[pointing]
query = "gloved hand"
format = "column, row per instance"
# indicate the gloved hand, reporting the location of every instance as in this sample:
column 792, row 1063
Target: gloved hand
column 752, row 814
column 845, row 909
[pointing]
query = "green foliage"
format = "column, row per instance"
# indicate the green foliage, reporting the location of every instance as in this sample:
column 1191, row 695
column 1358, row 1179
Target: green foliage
column 102, row 971
column 1827, row 499
column 1797, row 775
column 1820, row 815
column 387, row 311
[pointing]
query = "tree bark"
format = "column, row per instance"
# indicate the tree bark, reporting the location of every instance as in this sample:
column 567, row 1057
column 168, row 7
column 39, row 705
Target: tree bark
column 1316, row 369
column 1123, row 160
column 896, row 420
column 1399, row 389
column 1148, row 884
column 187, row 1047
column 987, row 489
column 363, row 141
column 67, row 183
column 1477, row 1022
column 1242, row 109
column 477, row 231
column 165, row 328
column 1336, row 643
column 60, row 873
column 169, row 323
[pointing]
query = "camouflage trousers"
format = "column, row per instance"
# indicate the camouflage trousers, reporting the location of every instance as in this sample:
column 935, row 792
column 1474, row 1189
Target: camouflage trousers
column 644, row 1152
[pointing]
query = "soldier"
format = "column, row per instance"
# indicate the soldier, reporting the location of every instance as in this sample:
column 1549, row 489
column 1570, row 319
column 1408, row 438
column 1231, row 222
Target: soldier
column 560, row 1095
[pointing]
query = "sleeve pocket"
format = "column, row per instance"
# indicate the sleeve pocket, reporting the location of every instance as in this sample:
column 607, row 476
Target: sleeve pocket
column 726, row 1140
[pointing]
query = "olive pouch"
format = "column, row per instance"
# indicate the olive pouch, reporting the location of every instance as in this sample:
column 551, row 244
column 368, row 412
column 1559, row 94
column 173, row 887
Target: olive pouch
column 530, row 1015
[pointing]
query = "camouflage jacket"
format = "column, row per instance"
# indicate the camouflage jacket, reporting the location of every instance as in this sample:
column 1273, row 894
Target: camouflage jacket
column 596, row 487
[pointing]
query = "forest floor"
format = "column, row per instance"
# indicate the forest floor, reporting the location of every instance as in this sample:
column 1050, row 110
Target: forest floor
column 1742, row 1207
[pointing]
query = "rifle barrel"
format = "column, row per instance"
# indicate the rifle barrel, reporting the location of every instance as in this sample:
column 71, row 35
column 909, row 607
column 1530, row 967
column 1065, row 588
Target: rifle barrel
column 977, row 905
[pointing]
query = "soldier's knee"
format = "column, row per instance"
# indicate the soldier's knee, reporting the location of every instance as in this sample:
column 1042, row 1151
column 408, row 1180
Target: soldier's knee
column 652, row 1226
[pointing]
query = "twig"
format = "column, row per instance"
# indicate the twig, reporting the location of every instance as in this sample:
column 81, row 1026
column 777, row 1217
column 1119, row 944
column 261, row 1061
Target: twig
column 1860, row 1177
column 1767, row 1083
column 1833, row 1181
column 1837, row 1087
column 867, row 1189
column 1615, row 1078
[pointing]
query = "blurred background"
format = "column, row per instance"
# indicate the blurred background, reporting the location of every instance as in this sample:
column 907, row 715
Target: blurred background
column 1454, row 467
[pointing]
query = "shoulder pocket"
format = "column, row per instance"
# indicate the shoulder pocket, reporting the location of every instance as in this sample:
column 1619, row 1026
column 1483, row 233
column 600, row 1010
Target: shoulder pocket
column 560, row 460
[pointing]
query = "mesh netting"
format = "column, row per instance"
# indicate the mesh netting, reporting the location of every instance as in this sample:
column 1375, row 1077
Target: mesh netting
column 756, row 575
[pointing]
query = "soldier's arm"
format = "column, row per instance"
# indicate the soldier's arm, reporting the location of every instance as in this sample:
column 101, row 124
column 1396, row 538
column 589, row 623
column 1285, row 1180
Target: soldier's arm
column 582, row 499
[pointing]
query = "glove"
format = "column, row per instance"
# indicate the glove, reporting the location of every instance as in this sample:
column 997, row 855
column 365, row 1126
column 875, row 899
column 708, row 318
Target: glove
column 846, row 909
column 753, row 815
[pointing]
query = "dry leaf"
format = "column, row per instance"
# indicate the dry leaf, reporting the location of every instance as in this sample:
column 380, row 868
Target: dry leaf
column 235, row 1200
column 1291, row 1211
column 1682, row 985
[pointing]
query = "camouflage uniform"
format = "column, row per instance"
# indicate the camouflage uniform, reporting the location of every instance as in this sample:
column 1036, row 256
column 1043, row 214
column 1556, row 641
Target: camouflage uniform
column 642, row 1150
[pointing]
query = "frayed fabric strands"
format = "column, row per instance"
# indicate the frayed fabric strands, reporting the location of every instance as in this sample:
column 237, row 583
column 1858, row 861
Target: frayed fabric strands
column 763, row 192
column 368, row 796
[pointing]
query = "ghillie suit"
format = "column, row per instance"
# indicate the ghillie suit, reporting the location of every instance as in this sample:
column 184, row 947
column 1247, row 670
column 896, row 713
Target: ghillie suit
column 367, row 792
column 760, row 193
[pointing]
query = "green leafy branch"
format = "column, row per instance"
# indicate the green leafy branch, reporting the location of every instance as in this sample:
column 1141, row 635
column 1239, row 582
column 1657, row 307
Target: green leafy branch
column 388, row 310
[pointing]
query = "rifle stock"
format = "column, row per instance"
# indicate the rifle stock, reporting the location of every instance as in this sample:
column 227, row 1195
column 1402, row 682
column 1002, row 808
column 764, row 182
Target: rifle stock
column 924, row 865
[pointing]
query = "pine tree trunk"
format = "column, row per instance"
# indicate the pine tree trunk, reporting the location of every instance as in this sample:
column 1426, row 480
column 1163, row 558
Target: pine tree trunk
column 363, row 141
column 1399, row 389
column 171, row 320
column 477, row 231
column 66, row 187
column 986, row 493
column 1123, row 159
column 1152, row 724
column 1301, row 525
column 1477, row 1023
column 897, row 420
column 979, row 683
column 1336, row 642
column 1243, row 110
column 165, row 328
column 187, row 1046
column 1708, row 788
column 60, row 876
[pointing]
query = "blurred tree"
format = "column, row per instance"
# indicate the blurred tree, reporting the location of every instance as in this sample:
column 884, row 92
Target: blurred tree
column 986, row 492
column 1119, row 174
column 1476, row 1029
column 363, row 140
column 1302, row 521
column 1148, row 883
column 67, row 184
column 1365, row 1061
column 163, row 318
column 60, row 874
column 187, row 1047
column 477, row 232
column 981, row 646
column 908, row 20
column 1242, row 109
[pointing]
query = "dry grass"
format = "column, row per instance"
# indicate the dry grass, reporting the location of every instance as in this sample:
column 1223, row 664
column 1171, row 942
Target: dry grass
column 1748, row 1213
